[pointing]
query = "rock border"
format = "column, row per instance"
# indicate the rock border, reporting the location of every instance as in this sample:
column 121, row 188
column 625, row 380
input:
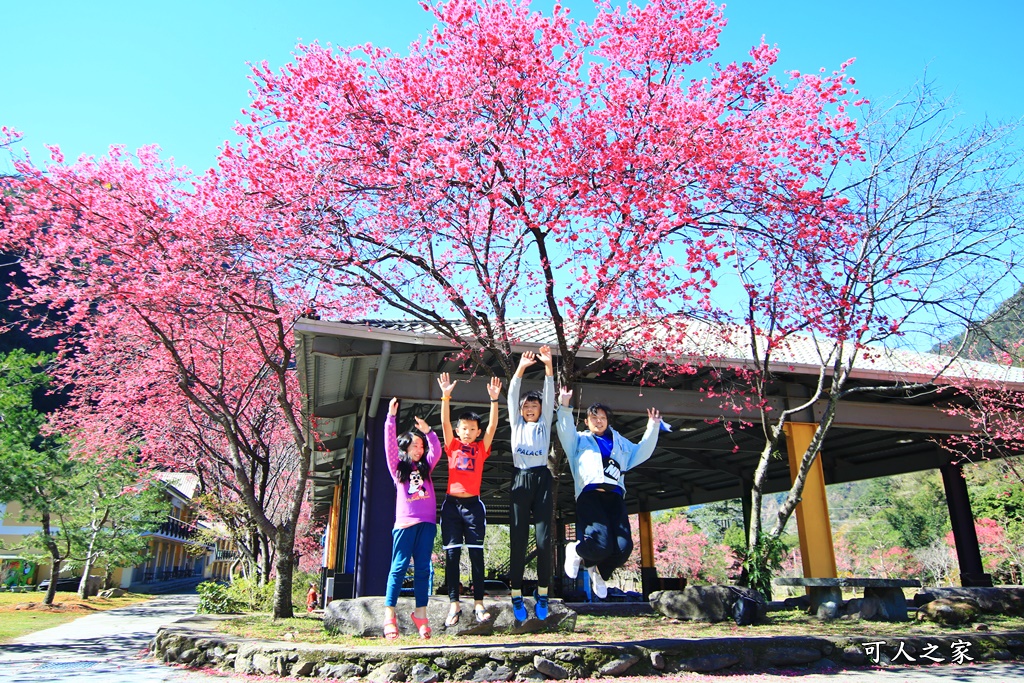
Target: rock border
column 195, row 642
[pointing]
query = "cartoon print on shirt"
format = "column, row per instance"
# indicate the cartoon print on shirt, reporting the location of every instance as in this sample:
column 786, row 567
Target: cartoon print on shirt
column 416, row 490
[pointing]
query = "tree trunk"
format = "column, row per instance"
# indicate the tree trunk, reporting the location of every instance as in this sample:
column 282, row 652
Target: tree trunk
column 51, row 591
column 284, row 564
column 55, row 560
column 83, row 584
column 266, row 559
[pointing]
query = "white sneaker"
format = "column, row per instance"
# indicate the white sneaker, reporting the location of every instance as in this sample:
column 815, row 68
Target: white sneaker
column 572, row 560
column 597, row 583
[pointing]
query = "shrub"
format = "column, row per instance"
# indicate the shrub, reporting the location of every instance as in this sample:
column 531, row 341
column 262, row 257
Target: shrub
column 762, row 562
column 251, row 596
column 215, row 599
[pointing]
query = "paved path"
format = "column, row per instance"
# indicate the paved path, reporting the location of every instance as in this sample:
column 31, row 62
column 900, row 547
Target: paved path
column 985, row 672
column 105, row 647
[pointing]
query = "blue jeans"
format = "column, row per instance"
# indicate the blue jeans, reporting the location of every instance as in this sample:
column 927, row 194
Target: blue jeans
column 414, row 543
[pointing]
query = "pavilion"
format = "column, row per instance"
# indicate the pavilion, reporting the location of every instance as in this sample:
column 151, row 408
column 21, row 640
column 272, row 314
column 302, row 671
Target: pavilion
column 349, row 371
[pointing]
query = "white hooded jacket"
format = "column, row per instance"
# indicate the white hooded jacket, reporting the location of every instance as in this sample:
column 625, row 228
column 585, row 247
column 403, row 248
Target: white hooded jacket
column 584, row 455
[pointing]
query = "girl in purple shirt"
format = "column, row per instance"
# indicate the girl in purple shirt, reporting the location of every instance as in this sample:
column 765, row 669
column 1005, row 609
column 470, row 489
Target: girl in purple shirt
column 411, row 460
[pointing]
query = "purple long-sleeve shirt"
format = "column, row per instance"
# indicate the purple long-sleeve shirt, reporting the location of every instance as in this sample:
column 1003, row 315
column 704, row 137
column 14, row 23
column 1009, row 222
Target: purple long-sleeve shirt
column 415, row 500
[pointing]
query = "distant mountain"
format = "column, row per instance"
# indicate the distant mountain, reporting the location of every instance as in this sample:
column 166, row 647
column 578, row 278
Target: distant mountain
column 997, row 335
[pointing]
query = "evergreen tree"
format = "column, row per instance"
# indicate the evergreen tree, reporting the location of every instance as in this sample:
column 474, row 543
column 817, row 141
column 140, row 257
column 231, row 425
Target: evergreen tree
column 33, row 466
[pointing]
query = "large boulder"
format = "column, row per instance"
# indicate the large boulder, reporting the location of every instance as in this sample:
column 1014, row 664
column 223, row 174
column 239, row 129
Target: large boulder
column 365, row 617
column 949, row 612
column 999, row 600
column 709, row 603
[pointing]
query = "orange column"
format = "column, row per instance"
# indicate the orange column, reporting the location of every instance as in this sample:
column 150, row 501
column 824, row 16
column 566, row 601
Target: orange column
column 646, row 541
column 648, row 573
column 333, row 531
column 816, row 550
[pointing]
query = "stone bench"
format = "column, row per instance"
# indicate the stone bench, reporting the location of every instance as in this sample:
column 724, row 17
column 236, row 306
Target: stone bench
column 883, row 598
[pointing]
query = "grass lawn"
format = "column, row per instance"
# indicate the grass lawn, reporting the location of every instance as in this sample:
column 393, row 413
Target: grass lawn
column 66, row 607
column 607, row 629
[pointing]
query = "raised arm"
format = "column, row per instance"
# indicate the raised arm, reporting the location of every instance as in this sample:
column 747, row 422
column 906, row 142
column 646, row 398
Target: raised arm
column 566, row 425
column 433, row 446
column 494, row 391
column 643, row 449
column 548, row 395
column 525, row 361
column 446, row 385
column 391, row 437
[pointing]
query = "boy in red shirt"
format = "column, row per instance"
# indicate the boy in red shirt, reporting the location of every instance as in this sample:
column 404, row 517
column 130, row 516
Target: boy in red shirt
column 462, row 512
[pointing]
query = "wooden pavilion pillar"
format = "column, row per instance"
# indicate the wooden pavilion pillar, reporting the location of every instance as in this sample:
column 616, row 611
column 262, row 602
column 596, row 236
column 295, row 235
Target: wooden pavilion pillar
column 648, row 572
column 816, row 550
column 334, row 530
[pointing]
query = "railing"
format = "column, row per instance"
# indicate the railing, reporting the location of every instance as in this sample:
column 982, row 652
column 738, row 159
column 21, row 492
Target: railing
column 177, row 529
column 225, row 555
column 168, row 573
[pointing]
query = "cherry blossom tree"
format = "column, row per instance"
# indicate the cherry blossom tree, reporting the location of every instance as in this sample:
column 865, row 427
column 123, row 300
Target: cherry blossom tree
column 682, row 550
column 1002, row 557
column 929, row 242
column 679, row 549
column 169, row 318
column 993, row 408
column 516, row 164
column 603, row 175
column 174, row 435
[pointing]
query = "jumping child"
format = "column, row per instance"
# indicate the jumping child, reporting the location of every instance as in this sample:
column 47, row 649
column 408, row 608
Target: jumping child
column 598, row 458
column 463, row 521
column 531, row 421
column 411, row 459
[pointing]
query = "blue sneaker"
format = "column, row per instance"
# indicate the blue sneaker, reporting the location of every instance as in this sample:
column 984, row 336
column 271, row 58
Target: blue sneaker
column 541, row 608
column 518, row 608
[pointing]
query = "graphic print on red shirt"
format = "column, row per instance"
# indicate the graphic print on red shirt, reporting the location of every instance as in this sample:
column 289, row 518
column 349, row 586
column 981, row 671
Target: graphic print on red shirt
column 465, row 466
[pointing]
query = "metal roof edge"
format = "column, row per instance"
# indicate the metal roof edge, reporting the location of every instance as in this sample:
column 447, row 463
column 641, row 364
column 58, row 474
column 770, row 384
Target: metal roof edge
column 367, row 330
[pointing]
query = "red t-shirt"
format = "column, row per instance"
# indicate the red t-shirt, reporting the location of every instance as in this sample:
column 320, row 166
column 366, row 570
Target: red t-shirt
column 465, row 466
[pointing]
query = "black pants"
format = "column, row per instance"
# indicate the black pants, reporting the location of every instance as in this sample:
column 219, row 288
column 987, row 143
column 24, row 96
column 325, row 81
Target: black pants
column 602, row 529
column 530, row 497
column 463, row 524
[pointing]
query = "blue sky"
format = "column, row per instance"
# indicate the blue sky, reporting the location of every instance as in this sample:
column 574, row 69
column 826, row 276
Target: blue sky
column 87, row 75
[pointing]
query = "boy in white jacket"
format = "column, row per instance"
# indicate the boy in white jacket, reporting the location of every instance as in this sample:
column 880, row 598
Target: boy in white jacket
column 598, row 458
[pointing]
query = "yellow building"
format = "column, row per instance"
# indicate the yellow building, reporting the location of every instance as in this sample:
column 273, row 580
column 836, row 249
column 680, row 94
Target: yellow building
column 176, row 550
column 223, row 559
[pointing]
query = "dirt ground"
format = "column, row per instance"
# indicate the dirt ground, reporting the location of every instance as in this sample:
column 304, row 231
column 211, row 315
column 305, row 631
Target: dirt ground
column 59, row 607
